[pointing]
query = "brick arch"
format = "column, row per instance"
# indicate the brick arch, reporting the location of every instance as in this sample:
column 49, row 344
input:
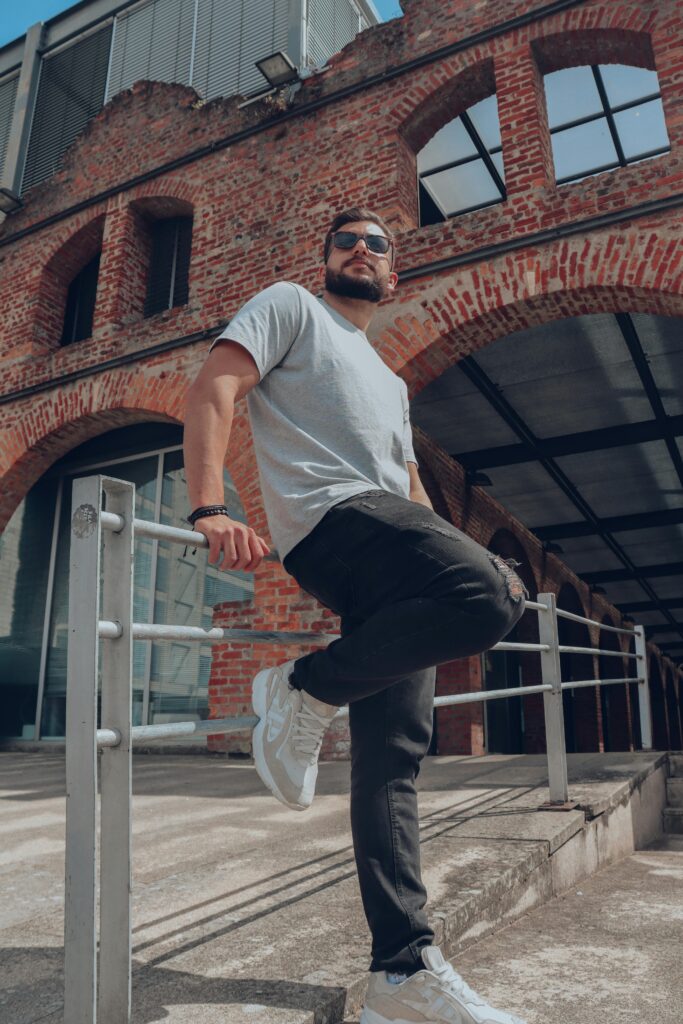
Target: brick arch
column 575, row 47
column 459, row 88
column 46, row 429
column 660, row 732
column 450, row 315
column 70, row 252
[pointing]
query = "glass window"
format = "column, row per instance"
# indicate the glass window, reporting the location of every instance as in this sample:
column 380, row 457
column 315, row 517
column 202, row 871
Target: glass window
column 582, row 150
column 169, row 265
column 602, row 117
column 80, row 304
column 171, row 585
column 24, row 566
column 461, row 168
column 642, row 130
column 571, row 94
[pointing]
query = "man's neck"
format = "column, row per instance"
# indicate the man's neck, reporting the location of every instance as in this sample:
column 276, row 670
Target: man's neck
column 358, row 311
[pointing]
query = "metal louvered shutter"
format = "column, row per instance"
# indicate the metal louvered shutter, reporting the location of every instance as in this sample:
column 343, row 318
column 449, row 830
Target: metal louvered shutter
column 153, row 42
column 320, row 31
column 217, row 48
column 167, row 285
column 231, row 36
column 8, row 94
column 345, row 23
column 70, row 93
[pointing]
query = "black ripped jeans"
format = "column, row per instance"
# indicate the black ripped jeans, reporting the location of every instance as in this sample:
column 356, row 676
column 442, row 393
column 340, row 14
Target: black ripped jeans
column 412, row 592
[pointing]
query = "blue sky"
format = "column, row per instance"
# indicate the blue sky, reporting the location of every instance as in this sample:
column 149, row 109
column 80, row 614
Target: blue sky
column 17, row 17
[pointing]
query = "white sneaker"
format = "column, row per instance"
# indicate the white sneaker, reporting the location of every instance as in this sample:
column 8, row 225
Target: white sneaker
column 288, row 737
column 437, row 995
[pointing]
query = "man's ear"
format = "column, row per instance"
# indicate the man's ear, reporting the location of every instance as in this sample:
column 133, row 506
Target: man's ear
column 392, row 281
column 320, row 276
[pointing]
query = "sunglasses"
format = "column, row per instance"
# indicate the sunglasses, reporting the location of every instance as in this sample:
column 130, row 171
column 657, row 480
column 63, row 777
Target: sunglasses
column 378, row 244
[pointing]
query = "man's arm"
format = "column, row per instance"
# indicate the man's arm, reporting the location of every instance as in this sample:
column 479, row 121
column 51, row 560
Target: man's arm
column 417, row 491
column 228, row 374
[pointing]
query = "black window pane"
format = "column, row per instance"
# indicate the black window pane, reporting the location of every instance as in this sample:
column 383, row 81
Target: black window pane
column 167, row 284
column 80, row 304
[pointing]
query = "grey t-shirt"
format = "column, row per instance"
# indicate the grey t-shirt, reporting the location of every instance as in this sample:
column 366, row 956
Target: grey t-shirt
column 329, row 418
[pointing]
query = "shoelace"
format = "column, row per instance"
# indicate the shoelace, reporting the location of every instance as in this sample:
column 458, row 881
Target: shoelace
column 460, row 987
column 308, row 732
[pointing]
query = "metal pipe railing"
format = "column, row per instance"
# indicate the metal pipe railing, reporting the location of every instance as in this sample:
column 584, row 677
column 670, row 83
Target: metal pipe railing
column 84, row 1000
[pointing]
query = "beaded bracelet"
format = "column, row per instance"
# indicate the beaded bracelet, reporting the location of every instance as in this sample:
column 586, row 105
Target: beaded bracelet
column 207, row 510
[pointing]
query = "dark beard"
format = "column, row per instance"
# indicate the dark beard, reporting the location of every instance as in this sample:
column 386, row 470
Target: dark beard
column 354, row 288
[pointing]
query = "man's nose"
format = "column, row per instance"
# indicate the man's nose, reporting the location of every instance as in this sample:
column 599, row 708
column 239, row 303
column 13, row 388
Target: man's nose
column 365, row 250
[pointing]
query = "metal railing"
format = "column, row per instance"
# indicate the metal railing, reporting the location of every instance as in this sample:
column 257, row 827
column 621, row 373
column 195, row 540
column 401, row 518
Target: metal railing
column 85, row 997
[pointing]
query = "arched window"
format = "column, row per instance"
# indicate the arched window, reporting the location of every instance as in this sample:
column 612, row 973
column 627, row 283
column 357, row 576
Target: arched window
column 461, row 167
column 80, row 303
column 169, row 267
column 603, row 116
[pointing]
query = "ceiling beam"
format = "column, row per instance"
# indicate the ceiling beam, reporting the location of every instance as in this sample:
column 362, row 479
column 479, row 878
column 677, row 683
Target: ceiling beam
column 648, row 606
column 621, row 575
column 572, row 444
column 610, row 524
column 633, row 343
column 500, row 404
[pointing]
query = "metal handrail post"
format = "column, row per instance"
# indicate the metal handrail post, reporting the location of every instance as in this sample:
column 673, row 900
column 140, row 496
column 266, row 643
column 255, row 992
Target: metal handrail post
column 80, row 931
column 114, row 994
column 644, row 708
column 552, row 702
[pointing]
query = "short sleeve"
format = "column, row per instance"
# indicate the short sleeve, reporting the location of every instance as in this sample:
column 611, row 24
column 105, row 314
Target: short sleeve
column 408, row 450
column 267, row 325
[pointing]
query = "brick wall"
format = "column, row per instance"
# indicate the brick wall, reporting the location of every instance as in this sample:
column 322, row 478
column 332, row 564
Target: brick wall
column 260, row 184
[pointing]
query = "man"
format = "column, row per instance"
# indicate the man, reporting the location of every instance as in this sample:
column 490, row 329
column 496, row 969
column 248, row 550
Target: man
column 354, row 526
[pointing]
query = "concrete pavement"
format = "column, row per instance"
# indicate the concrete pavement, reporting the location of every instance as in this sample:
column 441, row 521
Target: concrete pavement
column 247, row 912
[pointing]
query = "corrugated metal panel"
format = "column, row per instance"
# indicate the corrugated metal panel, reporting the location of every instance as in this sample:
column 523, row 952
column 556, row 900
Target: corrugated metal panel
column 216, row 63
column 320, row 29
column 70, row 93
column 231, row 36
column 153, row 42
column 8, row 94
column 258, row 21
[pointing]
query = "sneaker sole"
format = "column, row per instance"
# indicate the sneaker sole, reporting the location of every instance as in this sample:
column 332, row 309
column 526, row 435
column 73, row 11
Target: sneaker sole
column 372, row 1017
column 258, row 702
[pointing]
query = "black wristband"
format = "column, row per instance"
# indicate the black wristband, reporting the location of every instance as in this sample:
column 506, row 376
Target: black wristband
column 208, row 510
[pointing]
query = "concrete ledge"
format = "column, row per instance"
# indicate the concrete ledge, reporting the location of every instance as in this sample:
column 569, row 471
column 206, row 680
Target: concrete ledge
column 245, row 913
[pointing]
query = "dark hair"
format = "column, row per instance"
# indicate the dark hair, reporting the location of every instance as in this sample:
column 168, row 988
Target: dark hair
column 356, row 213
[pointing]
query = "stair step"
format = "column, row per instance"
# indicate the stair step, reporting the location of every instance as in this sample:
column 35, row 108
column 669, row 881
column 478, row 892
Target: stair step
column 676, row 764
column 674, row 791
column 673, row 820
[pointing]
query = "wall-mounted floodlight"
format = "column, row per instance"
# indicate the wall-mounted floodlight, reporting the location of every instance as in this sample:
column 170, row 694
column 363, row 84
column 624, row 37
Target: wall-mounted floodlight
column 552, row 548
column 10, row 202
column 596, row 589
column 278, row 69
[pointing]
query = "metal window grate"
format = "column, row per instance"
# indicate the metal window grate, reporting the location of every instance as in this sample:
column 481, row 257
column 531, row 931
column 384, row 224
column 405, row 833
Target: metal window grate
column 168, row 281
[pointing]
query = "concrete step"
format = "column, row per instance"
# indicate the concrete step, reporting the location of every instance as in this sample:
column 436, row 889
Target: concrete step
column 673, row 820
column 676, row 764
column 674, row 791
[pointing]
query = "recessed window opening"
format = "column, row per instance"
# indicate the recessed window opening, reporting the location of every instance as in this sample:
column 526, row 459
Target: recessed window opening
column 80, row 303
column 168, row 281
column 602, row 117
column 461, row 167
